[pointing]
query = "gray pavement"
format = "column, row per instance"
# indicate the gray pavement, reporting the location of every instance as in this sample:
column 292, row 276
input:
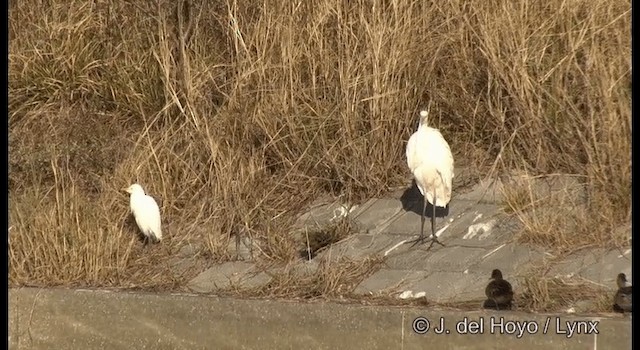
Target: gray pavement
column 83, row 319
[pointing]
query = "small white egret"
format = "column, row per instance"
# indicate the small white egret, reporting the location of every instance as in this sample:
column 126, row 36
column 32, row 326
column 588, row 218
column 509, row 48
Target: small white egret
column 146, row 212
column 431, row 162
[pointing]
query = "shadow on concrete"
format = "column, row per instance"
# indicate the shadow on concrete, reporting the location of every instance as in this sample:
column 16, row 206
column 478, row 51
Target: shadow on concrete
column 412, row 200
column 491, row 304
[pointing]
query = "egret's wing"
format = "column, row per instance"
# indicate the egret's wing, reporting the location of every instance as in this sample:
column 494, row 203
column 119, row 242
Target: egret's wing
column 431, row 162
column 412, row 152
column 149, row 213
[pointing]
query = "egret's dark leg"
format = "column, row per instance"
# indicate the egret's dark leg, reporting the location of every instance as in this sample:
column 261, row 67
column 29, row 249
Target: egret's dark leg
column 433, row 218
column 424, row 213
column 421, row 239
column 434, row 238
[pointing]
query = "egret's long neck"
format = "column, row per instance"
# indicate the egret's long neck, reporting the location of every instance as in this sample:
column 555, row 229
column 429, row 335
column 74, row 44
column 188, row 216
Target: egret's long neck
column 423, row 122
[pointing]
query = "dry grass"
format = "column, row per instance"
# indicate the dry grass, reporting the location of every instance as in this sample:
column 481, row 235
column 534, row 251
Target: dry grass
column 556, row 211
column 553, row 294
column 238, row 113
column 549, row 294
column 337, row 279
column 313, row 241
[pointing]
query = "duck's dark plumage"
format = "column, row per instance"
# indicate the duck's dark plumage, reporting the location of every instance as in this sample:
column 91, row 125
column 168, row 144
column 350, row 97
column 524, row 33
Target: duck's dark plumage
column 499, row 292
column 622, row 299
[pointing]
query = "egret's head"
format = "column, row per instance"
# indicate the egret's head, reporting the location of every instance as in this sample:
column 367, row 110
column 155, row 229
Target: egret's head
column 135, row 188
column 424, row 115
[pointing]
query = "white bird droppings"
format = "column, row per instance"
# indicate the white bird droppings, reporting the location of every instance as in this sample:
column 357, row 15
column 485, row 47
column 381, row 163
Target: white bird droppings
column 483, row 228
column 406, row 294
column 420, row 294
column 342, row 212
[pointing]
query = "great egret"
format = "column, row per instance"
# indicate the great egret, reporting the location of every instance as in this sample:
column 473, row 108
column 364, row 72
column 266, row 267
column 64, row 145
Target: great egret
column 146, row 212
column 622, row 300
column 499, row 292
column 431, row 162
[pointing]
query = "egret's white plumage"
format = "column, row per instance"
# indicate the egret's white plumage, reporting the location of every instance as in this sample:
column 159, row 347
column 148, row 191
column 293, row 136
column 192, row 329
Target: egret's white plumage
column 146, row 212
column 431, row 162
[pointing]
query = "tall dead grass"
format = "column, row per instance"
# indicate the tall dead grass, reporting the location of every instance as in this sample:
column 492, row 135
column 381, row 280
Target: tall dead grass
column 239, row 112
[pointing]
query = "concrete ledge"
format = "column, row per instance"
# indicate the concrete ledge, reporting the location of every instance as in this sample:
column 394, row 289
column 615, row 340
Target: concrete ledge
column 80, row 319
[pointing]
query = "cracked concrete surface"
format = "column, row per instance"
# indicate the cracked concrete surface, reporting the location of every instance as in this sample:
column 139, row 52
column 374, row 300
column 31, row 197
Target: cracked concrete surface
column 478, row 237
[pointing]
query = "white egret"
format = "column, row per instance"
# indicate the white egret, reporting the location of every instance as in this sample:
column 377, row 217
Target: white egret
column 146, row 212
column 431, row 162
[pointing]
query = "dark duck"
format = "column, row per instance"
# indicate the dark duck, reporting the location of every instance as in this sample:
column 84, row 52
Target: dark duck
column 622, row 299
column 499, row 292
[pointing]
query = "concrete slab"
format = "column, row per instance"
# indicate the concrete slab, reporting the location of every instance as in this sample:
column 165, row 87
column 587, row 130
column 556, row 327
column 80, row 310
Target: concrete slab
column 322, row 215
column 362, row 207
column 378, row 214
column 557, row 188
column 237, row 274
column 571, row 265
column 187, row 260
column 67, row 319
column 450, row 286
column 181, row 266
column 478, row 236
column 486, row 191
column 518, row 257
column 478, row 225
column 357, row 246
column 306, row 268
column 474, row 225
column 597, row 265
column 475, row 286
column 607, row 267
column 450, row 258
column 403, row 255
column 299, row 269
column 408, row 223
column 388, row 282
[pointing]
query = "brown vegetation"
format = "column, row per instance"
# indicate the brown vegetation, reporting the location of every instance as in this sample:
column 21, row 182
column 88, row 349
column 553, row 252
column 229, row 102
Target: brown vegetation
column 238, row 113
